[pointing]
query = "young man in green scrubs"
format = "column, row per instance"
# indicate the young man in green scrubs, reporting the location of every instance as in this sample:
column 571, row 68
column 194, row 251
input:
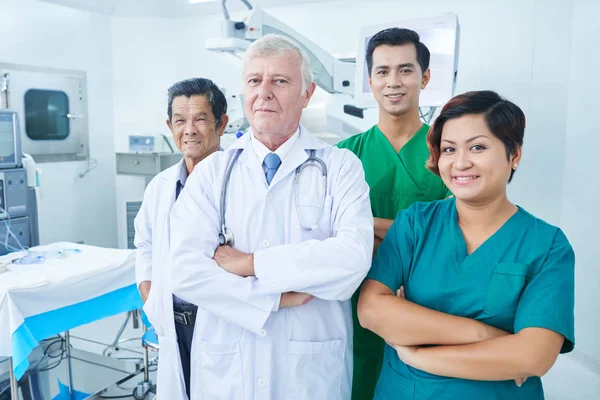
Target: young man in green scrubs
column 393, row 154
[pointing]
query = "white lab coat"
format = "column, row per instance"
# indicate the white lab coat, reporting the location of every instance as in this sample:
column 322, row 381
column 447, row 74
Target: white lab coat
column 152, row 261
column 244, row 346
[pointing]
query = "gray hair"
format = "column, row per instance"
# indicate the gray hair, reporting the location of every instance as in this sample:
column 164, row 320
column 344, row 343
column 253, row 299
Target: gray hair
column 273, row 45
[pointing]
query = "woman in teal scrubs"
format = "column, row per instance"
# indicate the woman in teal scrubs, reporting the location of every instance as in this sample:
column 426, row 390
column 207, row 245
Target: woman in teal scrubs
column 485, row 289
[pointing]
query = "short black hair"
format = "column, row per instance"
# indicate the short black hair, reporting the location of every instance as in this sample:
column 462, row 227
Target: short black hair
column 199, row 87
column 504, row 119
column 398, row 37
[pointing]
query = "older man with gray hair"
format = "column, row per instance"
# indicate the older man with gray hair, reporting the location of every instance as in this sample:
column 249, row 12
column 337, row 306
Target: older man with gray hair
column 271, row 238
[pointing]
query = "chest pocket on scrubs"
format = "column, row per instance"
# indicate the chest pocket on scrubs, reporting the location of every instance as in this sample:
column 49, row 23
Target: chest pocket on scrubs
column 315, row 369
column 508, row 282
column 306, row 215
column 220, row 366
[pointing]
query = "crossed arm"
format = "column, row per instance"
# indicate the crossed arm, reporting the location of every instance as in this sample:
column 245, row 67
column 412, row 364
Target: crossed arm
column 381, row 228
column 242, row 264
column 467, row 348
column 246, row 290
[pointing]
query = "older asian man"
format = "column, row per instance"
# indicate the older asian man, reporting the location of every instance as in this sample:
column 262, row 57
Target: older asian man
column 197, row 118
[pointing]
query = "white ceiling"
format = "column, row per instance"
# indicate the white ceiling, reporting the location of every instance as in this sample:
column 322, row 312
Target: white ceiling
column 166, row 8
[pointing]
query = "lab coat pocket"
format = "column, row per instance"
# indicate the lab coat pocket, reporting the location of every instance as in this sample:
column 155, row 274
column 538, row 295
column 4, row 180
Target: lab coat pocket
column 221, row 371
column 311, row 218
column 392, row 385
column 316, row 369
column 508, row 282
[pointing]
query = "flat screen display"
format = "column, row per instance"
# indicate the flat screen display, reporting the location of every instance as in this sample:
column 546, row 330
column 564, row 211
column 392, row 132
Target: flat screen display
column 7, row 137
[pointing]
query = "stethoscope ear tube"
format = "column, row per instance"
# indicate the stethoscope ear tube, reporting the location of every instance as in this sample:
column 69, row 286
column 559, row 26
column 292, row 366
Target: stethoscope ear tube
column 320, row 164
column 226, row 236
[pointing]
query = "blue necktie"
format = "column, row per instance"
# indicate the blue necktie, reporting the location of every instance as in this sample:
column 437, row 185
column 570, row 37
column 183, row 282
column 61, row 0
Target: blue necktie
column 272, row 162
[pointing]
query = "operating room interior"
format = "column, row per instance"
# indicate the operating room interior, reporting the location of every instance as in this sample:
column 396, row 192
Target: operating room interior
column 540, row 54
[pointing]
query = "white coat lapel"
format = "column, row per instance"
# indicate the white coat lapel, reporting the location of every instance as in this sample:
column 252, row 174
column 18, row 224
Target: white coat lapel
column 171, row 188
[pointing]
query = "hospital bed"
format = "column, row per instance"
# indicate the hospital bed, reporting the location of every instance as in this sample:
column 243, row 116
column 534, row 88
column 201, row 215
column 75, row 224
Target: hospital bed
column 71, row 285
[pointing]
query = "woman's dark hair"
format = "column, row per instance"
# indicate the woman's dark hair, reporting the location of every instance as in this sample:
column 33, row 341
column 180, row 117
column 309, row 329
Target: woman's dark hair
column 504, row 119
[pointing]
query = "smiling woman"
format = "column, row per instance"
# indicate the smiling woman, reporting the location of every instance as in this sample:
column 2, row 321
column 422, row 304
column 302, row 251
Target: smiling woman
column 486, row 114
column 488, row 283
column 476, row 144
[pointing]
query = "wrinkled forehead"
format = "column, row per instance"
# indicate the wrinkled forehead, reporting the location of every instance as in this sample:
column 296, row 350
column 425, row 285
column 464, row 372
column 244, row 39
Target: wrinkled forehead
column 287, row 63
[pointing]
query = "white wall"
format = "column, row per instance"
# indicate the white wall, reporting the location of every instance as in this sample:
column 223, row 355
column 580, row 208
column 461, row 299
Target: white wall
column 567, row 86
column 45, row 35
column 581, row 193
column 144, row 65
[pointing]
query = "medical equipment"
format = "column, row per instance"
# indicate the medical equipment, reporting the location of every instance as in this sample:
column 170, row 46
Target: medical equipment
column 33, row 173
column 150, row 144
column 350, row 107
column 18, row 212
column 333, row 75
column 145, row 164
column 237, row 120
column 226, row 236
column 40, row 257
column 235, row 112
column 18, row 199
column 10, row 143
column 13, row 192
column 52, row 109
column 29, row 259
column 148, row 156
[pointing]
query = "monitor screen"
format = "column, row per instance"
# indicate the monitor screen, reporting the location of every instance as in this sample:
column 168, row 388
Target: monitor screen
column 440, row 35
column 7, row 136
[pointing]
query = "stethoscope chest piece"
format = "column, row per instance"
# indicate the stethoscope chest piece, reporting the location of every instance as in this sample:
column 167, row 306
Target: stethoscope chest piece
column 225, row 237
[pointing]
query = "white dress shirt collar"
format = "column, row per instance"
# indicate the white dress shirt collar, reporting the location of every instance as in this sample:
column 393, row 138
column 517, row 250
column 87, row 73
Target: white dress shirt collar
column 282, row 151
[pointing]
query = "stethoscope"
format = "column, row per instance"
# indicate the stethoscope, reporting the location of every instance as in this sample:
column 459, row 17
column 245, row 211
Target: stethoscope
column 226, row 236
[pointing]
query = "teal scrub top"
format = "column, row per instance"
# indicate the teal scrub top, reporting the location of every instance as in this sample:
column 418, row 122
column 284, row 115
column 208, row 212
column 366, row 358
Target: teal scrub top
column 522, row 276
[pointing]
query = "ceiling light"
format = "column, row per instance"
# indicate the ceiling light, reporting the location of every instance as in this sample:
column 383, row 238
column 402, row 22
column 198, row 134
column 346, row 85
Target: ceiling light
column 201, row 1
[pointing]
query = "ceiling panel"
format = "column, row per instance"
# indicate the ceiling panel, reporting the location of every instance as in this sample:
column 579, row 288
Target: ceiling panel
column 166, row 8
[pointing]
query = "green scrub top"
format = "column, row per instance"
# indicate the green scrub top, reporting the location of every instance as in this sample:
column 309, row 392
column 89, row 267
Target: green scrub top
column 396, row 180
column 522, row 276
